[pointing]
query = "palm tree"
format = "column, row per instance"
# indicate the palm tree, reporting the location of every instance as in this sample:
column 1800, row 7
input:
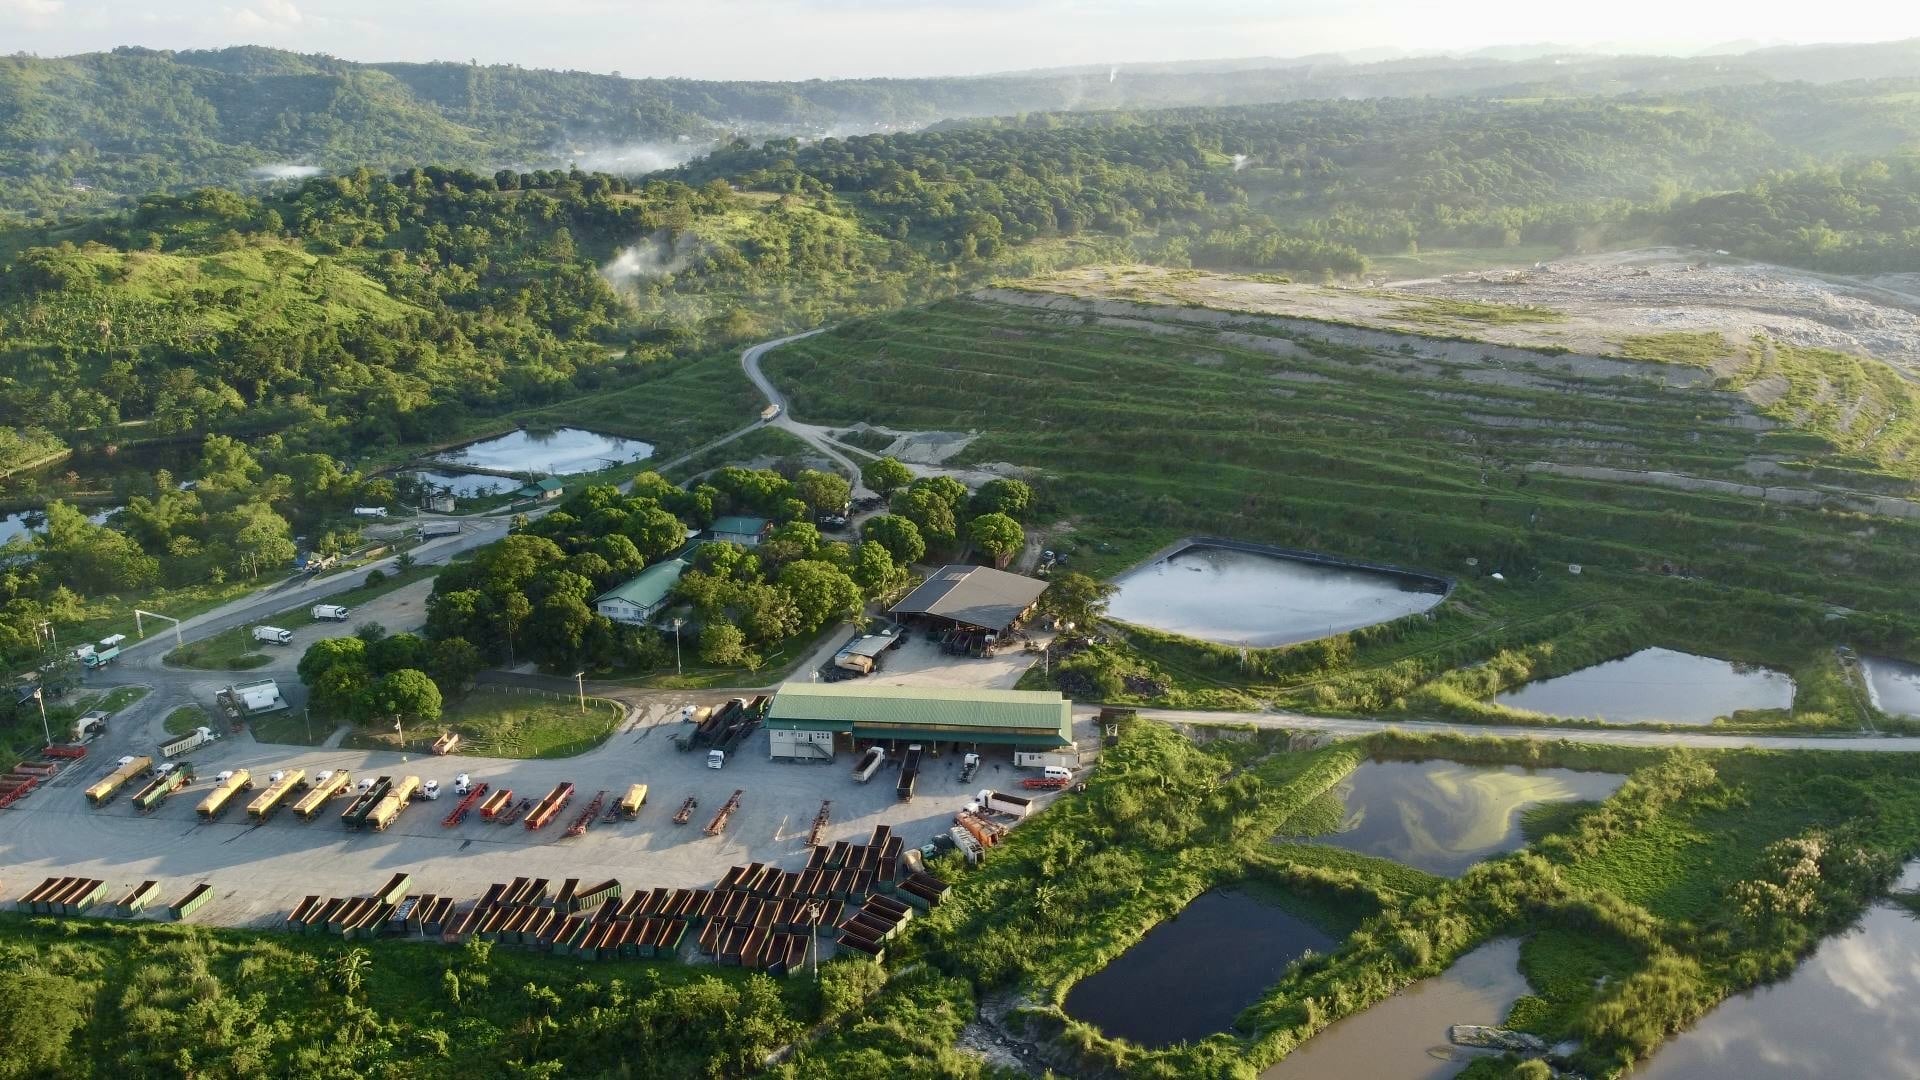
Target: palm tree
column 350, row 970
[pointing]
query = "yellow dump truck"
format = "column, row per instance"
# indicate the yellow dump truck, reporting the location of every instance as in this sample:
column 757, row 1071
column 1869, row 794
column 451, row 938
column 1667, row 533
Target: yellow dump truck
column 636, row 797
column 225, row 787
column 325, row 786
column 390, row 806
column 102, row 793
column 279, row 786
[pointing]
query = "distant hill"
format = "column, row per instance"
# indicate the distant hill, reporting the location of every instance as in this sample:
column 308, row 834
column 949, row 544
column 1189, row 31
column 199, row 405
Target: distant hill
column 90, row 130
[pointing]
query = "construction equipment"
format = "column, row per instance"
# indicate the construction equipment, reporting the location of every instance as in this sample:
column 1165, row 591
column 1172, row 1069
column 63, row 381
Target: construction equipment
column 909, row 772
column 324, row 787
column 279, row 785
column 555, row 801
column 472, row 799
column 491, row 807
column 869, row 764
column 820, row 821
column 719, row 822
column 390, row 804
column 225, row 787
column 635, row 798
column 192, row 740
column 585, row 820
column 685, row 813
column 370, row 795
column 102, row 792
column 171, row 778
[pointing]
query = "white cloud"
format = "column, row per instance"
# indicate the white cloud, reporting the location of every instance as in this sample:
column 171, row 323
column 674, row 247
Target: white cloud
column 29, row 11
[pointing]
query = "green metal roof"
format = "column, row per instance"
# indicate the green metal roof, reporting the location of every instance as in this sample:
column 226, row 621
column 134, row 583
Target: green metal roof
column 544, row 484
column 951, row 712
column 648, row 587
column 744, row 526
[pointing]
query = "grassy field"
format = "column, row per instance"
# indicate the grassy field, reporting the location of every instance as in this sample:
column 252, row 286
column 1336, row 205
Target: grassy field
column 229, row 650
column 501, row 723
column 675, row 406
column 185, row 719
column 1420, row 459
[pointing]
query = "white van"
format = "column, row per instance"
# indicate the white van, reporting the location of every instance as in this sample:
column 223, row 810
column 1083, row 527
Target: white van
column 1057, row 772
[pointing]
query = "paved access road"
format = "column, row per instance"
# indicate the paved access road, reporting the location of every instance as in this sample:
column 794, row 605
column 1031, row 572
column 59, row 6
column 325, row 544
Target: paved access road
column 1879, row 744
column 812, row 434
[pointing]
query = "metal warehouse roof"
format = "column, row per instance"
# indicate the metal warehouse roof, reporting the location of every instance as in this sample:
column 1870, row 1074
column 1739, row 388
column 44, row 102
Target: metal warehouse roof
column 975, row 595
column 930, row 707
column 650, row 586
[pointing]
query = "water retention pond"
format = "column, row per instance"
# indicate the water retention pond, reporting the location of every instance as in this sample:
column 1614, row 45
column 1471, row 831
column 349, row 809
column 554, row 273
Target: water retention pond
column 1236, row 596
column 560, row 452
column 1191, row 975
column 1655, row 686
column 1439, row 816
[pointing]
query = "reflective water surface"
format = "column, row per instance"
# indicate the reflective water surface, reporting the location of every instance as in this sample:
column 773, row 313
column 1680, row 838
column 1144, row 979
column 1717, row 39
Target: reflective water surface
column 1894, row 685
column 1442, row 816
column 1405, row 1036
column 464, row 485
column 1654, row 686
column 1243, row 598
column 1191, row 975
column 560, row 452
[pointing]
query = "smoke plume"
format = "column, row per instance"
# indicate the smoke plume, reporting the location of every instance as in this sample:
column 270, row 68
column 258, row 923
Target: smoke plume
column 652, row 257
column 285, row 170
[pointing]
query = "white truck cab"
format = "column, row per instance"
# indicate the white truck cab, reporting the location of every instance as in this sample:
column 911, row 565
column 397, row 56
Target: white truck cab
column 462, row 784
column 716, row 759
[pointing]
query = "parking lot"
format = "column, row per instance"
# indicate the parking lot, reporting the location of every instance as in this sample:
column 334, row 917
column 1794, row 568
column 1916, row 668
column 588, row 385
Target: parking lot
column 919, row 662
column 260, row 871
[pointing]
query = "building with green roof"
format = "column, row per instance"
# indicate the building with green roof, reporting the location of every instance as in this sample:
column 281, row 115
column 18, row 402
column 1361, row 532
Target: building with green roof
column 807, row 721
column 641, row 597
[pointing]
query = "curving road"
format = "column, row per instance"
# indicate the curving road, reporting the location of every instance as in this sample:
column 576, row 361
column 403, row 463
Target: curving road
column 812, row 435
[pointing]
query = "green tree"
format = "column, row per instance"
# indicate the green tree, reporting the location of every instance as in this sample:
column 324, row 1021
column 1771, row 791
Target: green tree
column 927, row 508
column 898, row 535
column 349, row 970
column 1076, row 598
column 408, row 695
column 873, row 568
column 40, row 1012
column 886, row 476
column 722, row 644
column 453, row 662
column 1003, row 496
column 820, row 592
column 328, row 653
column 823, row 492
column 998, row 535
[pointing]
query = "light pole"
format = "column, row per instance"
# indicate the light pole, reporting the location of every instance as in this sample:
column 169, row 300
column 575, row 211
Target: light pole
column 39, row 695
column 813, row 928
column 580, row 686
column 676, row 644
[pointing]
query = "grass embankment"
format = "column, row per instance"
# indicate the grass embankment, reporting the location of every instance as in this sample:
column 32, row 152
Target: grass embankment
column 766, row 442
column 503, row 724
column 675, row 406
column 1703, row 874
column 1417, row 458
column 185, row 719
column 22, row 734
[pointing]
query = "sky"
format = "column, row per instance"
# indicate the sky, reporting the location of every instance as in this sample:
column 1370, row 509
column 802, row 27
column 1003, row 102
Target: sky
column 802, row 39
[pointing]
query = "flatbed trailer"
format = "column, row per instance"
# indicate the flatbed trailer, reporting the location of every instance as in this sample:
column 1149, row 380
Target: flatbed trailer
column 467, row 802
column 315, row 799
column 909, row 773
column 725, row 813
column 585, row 820
column 685, row 813
column 356, row 812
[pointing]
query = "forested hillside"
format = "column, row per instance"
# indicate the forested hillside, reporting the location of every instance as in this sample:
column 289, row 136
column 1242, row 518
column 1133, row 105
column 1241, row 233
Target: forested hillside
column 96, row 129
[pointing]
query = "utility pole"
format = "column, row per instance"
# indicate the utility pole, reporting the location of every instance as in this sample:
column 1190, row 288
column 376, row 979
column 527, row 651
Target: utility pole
column 580, row 686
column 39, row 695
column 676, row 644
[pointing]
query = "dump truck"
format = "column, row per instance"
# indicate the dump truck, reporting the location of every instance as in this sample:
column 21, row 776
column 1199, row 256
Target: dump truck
column 390, row 804
column 104, row 652
column 279, row 786
column 869, row 764
column 102, row 792
column 324, row 787
column 555, row 801
column 635, row 798
column 192, row 740
column 1011, row 805
column 909, row 772
column 225, row 787
column 371, row 792
column 437, row 528
column 171, row 778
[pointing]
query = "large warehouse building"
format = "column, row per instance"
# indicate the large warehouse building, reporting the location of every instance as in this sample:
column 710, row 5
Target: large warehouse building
column 808, row 722
column 972, row 597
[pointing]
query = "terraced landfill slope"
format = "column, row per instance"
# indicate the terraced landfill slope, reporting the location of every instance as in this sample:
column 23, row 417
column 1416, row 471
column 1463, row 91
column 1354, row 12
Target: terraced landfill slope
column 1440, row 453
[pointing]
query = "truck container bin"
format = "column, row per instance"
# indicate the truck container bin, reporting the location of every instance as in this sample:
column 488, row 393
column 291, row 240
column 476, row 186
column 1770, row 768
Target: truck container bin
column 195, row 899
